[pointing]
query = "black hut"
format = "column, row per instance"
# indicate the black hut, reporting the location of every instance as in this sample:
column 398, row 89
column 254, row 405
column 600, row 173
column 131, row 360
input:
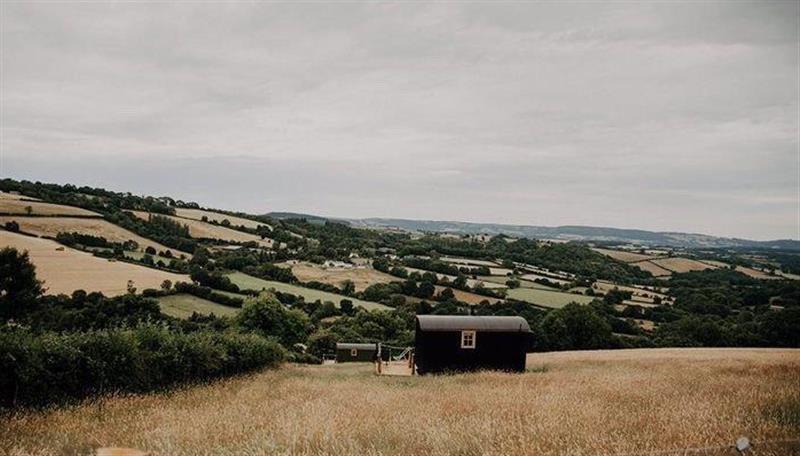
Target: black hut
column 347, row 352
column 466, row 343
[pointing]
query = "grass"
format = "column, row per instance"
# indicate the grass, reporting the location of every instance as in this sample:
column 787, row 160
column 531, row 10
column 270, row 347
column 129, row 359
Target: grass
column 183, row 305
column 18, row 206
column 576, row 403
column 361, row 277
column 248, row 282
column 202, row 230
column 547, row 298
column 65, row 270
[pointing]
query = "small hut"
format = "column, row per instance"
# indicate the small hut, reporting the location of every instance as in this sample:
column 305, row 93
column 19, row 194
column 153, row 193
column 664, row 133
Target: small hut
column 467, row 343
column 348, row 352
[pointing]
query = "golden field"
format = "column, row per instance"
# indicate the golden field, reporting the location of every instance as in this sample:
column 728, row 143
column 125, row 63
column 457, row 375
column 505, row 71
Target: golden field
column 361, row 277
column 653, row 268
column 198, row 214
column 65, row 270
column 678, row 264
column 18, row 206
column 576, row 403
column 51, row 226
column 623, row 255
column 202, row 230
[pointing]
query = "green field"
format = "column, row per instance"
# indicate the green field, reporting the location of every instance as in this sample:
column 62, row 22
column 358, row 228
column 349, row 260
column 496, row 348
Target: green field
column 547, row 298
column 248, row 282
column 182, row 306
column 522, row 283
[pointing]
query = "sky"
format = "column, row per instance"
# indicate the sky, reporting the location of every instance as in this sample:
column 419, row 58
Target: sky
column 667, row 116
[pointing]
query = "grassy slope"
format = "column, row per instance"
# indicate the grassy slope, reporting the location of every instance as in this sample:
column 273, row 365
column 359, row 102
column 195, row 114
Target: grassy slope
column 581, row 403
column 182, row 306
column 546, row 298
column 245, row 281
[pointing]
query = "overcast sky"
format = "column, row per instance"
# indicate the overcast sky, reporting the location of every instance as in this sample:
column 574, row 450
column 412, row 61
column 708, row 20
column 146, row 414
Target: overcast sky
column 663, row 116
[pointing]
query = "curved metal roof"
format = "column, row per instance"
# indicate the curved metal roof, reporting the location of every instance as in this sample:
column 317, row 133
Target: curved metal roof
column 469, row 322
column 350, row 346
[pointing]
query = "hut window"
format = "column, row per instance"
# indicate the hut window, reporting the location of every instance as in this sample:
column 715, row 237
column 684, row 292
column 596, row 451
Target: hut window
column 467, row 339
column 354, row 352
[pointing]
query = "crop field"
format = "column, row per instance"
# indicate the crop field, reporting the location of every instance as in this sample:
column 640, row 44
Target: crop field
column 18, row 206
column 198, row 214
column 622, row 255
column 203, row 230
column 468, row 297
column 469, row 262
column 361, row 277
column 545, row 271
column 51, row 226
column 678, row 264
column 183, row 305
column 522, row 283
column 15, row 196
column 756, row 274
column 546, row 298
column 640, row 294
column 65, row 270
column 500, row 271
column 248, row 282
column 533, row 277
column 577, row 403
column 470, row 282
column 652, row 268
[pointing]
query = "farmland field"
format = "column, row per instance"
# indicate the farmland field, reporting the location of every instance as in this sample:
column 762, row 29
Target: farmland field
column 17, row 206
column 546, row 298
column 578, row 403
column 203, row 230
column 469, row 262
column 652, row 268
column 198, row 214
column 756, row 274
column 361, row 277
column 624, row 256
column 470, row 282
column 522, row 283
column 51, row 226
column 682, row 264
column 183, row 305
column 15, row 196
column 468, row 297
column 67, row 270
column 248, row 282
column 532, row 277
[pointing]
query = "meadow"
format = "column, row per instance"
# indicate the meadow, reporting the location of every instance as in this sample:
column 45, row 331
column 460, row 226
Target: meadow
column 622, row 255
column 64, row 269
column 547, row 298
column 248, row 282
column 361, row 277
column 577, row 403
column 19, row 206
column 202, row 230
column 198, row 214
column 184, row 305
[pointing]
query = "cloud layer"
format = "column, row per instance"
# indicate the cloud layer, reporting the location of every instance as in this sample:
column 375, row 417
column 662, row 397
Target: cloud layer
column 664, row 116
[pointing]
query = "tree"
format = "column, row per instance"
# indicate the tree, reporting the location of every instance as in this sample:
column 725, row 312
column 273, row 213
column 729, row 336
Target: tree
column 348, row 287
column 575, row 327
column 150, row 250
column 266, row 316
column 19, row 288
column 346, row 306
column 28, row 210
column 12, row 226
column 131, row 289
column 166, row 285
column 447, row 294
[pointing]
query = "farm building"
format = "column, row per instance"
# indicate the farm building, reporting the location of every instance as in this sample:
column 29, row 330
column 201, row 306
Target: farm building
column 466, row 343
column 347, row 352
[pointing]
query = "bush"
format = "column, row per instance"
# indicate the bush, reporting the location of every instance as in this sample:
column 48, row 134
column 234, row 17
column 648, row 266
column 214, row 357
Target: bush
column 50, row 367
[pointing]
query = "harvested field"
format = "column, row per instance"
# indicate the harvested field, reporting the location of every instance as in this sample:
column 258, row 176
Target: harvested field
column 500, row 271
column 51, row 226
column 198, row 214
column 577, row 403
column 545, row 271
column 522, row 283
column 756, row 274
column 639, row 293
column 622, row 255
column 678, row 264
column 361, row 277
column 248, row 282
column 546, row 298
column 65, row 270
column 15, row 196
column 631, row 302
column 533, row 277
column 469, row 298
column 184, row 305
column 470, row 282
column 647, row 325
column 203, row 230
column 18, row 206
column 469, row 262
column 652, row 268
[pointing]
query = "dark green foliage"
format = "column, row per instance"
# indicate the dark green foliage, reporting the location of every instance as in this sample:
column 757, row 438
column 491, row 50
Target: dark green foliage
column 207, row 293
column 266, row 316
column 12, row 226
column 269, row 271
column 575, row 327
column 212, row 279
column 19, row 288
column 41, row 368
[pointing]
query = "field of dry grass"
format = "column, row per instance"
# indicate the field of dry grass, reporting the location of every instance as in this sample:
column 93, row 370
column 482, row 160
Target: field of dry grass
column 678, row 264
column 468, row 297
column 653, row 268
column 576, row 403
column 67, row 270
column 18, row 206
column 203, row 230
column 51, row 226
column 361, row 277
column 198, row 214
column 622, row 255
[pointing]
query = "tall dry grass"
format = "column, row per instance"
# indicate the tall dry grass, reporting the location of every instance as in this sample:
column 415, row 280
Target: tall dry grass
column 579, row 403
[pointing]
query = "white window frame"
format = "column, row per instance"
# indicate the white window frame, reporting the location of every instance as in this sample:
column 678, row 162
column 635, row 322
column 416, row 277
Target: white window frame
column 466, row 338
column 353, row 352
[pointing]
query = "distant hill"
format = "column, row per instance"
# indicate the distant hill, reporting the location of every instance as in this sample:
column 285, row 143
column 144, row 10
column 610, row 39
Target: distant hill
column 296, row 215
column 567, row 233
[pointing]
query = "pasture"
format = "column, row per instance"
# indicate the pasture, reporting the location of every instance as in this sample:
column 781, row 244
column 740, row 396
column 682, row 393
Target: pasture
column 183, row 305
column 361, row 277
column 198, row 214
column 577, row 403
column 248, row 282
column 546, row 298
column 678, row 264
column 471, row 282
column 203, row 230
column 51, row 226
column 469, row 262
column 652, row 268
column 469, row 297
column 19, row 206
column 622, row 255
column 65, row 270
